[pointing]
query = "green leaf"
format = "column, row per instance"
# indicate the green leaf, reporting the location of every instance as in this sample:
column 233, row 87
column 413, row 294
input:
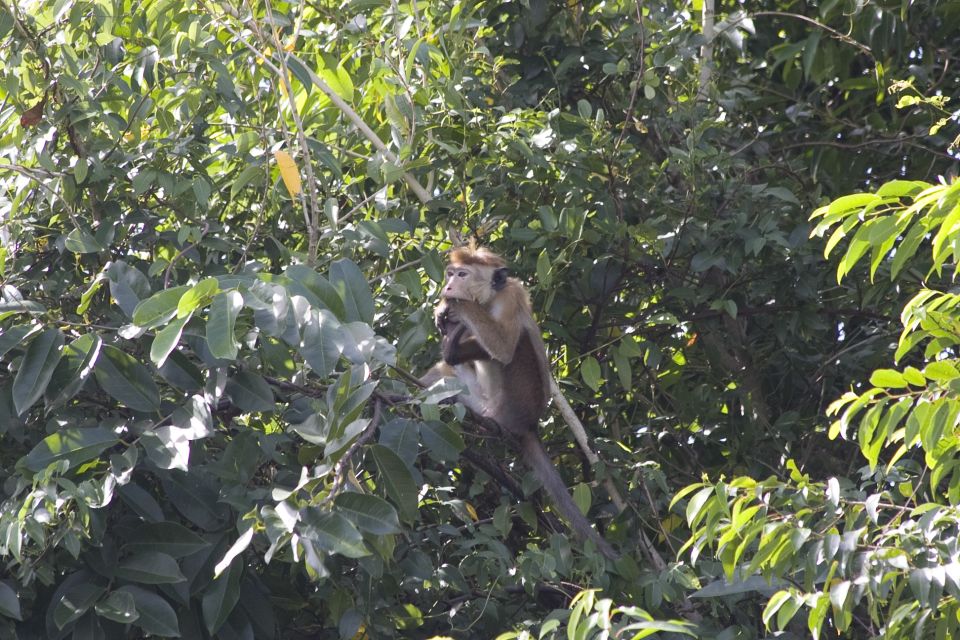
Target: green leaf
column 239, row 546
column 941, row 371
column 221, row 324
column 159, row 308
column 442, row 440
column 75, row 602
column 888, row 379
column 339, row 80
column 15, row 336
column 397, row 480
column 75, row 445
column 582, row 497
column 221, row 597
column 853, row 202
column 166, row 537
column 354, row 290
column 907, row 247
column 78, row 241
column 150, row 567
column 334, row 533
column 544, row 274
column 322, row 342
column 371, row 513
column 9, row 602
column 36, row 369
column 590, row 372
column 901, row 188
column 199, row 295
column 306, row 282
column 696, row 504
column 75, row 368
column 251, row 393
column 128, row 381
column 87, row 295
column 119, row 606
column 167, row 340
column 156, row 616
column 128, row 286
column 249, row 174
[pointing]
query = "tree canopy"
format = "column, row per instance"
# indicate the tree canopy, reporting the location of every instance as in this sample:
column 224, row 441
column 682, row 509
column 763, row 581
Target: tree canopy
column 223, row 229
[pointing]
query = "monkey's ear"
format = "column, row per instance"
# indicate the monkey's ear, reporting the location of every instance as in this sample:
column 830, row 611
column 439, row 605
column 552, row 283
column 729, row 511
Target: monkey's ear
column 499, row 278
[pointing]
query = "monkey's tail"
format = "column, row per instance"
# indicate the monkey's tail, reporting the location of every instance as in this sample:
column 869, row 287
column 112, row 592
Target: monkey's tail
column 537, row 458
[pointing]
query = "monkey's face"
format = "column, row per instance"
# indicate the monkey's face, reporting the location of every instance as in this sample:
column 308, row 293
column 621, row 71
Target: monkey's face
column 468, row 282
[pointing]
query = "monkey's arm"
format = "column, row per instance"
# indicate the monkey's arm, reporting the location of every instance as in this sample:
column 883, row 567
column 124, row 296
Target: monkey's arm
column 459, row 347
column 498, row 339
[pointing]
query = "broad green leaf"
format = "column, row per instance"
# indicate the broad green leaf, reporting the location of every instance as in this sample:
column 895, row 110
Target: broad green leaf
column 159, row 308
column 582, row 497
column 75, row 445
column 150, row 567
column 166, row 537
column 339, row 80
column 901, row 188
column 248, row 175
column 695, row 506
column 852, row 202
column 119, row 606
column 199, row 295
column 9, row 602
column 250, row 393
column 322, row 342
column 941, row 371
column 143, row 504
column 79, row 241
column 15, row 336
column 167, row 340
column 195, row 500
column 36, row 369
column 221, row 324
column 888, row 379
column 221, row 597
column 306, row 282
column 128, row 286
column 442, row 440
column 75, row 602
column 397, row 480
column 87, row 295
column 544, row 275
column 353, row 289
column 622, row 363
column 590, row 372
column 181, row 373
column 907, row 247
column 156, row 616
column 128, row 381
column 238, row 547
column 335, row 533
column 371, row 513
column 75, row 368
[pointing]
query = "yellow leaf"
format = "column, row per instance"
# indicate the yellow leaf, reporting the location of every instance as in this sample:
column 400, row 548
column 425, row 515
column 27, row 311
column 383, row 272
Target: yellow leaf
column 472, row 511
column 289, row 172
column 291, row 44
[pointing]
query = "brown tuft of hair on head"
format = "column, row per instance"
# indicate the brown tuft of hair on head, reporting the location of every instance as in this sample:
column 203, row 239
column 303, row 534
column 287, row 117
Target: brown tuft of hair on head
column 472, row 254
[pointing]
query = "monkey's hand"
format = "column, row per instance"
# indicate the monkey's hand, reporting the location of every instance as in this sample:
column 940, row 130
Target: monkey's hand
column 441, row 317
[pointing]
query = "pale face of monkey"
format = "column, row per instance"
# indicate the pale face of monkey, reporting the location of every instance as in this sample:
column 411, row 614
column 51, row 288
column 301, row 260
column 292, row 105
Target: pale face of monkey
column 468, row 282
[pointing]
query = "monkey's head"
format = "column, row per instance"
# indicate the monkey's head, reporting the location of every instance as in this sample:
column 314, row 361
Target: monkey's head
column 474, row 274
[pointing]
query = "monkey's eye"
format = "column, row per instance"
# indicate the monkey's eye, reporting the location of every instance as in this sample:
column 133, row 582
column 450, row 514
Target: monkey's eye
column 461, row 274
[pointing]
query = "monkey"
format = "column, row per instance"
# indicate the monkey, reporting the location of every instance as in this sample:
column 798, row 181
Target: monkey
column 492, row 344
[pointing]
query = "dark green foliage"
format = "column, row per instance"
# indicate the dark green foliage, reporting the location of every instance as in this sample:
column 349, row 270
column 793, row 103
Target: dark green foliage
column 199, row 367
